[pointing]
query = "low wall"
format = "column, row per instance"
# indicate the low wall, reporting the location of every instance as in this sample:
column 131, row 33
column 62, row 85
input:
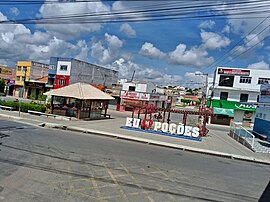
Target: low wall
column 262, row 127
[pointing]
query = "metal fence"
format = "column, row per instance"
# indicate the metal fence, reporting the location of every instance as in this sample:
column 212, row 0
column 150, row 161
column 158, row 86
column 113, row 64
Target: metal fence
column 242, row 135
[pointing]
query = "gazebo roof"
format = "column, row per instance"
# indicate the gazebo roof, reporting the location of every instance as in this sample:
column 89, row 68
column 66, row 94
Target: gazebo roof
column 82, row 91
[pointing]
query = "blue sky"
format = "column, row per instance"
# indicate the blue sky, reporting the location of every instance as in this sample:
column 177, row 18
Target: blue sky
column 164, row 52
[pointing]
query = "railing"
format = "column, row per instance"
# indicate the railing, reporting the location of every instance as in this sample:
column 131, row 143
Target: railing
column 240, row 133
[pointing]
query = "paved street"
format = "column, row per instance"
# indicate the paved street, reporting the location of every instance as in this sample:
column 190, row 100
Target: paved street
column 40, row 164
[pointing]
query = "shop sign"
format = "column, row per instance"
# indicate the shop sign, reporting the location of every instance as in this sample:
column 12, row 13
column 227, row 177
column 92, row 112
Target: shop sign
column 11, row 82
column 154, row 97
column 144, row 96
column 130, row 95
column 245, row 106
column 176, row 129
column 236, row 72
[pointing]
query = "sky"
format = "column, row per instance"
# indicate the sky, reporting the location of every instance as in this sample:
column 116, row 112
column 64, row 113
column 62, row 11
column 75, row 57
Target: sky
column 165, row 42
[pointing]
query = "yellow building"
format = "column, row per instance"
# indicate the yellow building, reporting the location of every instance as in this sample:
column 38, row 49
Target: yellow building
column 25, row 72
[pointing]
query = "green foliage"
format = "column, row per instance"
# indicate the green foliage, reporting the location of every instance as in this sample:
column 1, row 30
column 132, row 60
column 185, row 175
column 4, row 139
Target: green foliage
column 24, row 106
column 42, row 97
column 187, row 101
column 2, row 85
column 32, row 97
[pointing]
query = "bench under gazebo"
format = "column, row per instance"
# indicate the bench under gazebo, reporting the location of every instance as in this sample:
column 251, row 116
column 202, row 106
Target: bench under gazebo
column 80, row 100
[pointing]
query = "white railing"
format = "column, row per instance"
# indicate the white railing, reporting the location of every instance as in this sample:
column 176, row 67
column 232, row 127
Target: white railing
column 238, row 130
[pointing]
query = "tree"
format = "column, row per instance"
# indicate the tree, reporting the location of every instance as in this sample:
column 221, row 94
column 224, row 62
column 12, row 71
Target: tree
column 2, row 85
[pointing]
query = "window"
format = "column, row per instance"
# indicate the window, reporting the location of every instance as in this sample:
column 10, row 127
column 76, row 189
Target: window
column 61, row 82
column 243, row 97
column 23, row 78
column 264, row 116
column 131, row 88
column 18, row 78
column 224, row 95
column 19, row 68
column 245, row 79
column 263, row 80
column 63, row 67
column 24, row 69
column 226, row 81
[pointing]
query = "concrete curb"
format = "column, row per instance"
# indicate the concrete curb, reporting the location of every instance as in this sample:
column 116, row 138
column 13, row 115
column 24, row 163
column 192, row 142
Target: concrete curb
column 155, row 142
column 137, row 139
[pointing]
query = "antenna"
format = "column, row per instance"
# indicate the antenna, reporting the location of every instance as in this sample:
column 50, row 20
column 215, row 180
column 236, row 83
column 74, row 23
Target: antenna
column 133, row 75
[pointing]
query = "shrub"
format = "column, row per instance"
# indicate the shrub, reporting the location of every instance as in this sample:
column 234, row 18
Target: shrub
column 186, row 100
column 24, row 106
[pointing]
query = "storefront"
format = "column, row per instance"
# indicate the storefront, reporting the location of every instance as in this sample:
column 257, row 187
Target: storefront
column 129, row 99
column 226, row 111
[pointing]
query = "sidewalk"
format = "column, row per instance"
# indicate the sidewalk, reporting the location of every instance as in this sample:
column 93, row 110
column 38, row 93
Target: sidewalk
column 217, row 142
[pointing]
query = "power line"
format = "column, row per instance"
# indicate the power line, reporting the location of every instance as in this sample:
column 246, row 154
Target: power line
column 223, row 57
column 148, row 15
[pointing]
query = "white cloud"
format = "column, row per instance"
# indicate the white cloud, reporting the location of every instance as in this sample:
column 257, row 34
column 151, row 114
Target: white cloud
column 67, row 31
column 108, row 50
column 226, row 29
column 15, row 11
column 20, row 43
column 259, row 65
column 128, row 30
column 207, row 24
column 213, row 40
column 126, row 68
column 150, row 51
column 196, row 57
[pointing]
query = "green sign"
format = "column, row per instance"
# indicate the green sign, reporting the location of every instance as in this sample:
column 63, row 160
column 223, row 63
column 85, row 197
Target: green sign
column 231, row 105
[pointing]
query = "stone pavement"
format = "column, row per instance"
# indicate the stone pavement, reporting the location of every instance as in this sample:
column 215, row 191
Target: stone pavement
column 217, row 142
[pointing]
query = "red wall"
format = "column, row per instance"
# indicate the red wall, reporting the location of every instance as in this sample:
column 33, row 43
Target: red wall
column 58, row 77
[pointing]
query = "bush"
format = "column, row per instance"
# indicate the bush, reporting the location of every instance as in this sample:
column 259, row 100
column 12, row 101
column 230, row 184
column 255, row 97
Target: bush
column 186, row 100
column 24, row 106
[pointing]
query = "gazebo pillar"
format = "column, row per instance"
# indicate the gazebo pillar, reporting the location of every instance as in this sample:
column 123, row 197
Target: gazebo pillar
column 51, row 107
column 79, row 110
column 106, row 104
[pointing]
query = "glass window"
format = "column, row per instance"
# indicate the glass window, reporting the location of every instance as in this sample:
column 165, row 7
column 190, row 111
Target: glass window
column 19, row 68
column 264, row 116
column 63, row 67
column 263, row 80
column 24, row 68
column 224, row 95
column 18, row 78
column 131, row 88
column 226, row 81
column 61, row 82
column 245, row 79
column 243, row 97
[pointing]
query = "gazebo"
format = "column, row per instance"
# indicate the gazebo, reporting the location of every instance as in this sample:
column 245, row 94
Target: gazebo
column 80, row 100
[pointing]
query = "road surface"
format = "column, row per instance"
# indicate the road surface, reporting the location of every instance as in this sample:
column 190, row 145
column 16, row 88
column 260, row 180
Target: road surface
column 38, row 164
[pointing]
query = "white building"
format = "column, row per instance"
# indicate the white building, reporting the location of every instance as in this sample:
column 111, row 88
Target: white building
column 135, row 93
column 232, row 89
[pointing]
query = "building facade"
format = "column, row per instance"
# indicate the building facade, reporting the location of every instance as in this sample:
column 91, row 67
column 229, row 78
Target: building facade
column 29, row 72
column 262, row 120
column 135, row 93
column 65, row 71
column 232, row 92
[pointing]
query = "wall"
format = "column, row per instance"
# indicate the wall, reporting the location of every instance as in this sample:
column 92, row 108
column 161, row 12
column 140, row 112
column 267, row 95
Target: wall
column 234, row 94
column 38, row 70
column 262, row 126
column 58, row 77
column 63, row 72
column 93, row 74
column 22, row 73
column 255, row 74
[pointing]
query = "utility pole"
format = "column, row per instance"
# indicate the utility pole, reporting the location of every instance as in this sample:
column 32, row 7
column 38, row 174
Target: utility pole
column 206, row 89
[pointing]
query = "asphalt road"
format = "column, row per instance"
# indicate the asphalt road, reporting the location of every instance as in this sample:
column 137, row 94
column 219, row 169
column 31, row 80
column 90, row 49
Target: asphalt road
column 38, row 164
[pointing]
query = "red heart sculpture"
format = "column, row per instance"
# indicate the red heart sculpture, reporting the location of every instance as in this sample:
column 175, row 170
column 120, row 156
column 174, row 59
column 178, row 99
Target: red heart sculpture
column 146, row 124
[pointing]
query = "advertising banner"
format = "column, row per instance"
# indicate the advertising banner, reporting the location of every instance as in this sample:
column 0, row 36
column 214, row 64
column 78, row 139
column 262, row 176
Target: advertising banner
column 6, row 70
column 236, row 72
column 129, row 95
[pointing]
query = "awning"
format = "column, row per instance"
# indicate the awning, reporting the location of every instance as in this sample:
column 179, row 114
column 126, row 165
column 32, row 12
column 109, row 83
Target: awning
column 229, row 112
